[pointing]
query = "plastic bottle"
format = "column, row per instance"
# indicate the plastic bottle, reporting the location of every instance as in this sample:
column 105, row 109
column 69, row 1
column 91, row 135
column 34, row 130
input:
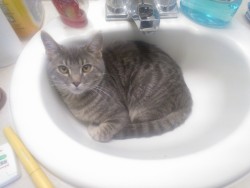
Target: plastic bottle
column 214, row 13
column 10, row 45
column 25, row 16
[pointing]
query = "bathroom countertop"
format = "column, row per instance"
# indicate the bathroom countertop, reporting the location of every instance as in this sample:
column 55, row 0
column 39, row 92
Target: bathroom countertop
column 5, row 115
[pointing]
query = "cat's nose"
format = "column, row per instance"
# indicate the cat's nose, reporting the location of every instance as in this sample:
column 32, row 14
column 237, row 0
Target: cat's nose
column 76, row 83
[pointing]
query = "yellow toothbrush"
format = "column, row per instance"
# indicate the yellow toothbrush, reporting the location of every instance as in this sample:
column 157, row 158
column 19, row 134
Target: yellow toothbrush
column 38, row 176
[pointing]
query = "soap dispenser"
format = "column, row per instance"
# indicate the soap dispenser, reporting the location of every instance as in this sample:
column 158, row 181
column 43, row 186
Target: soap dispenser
column 213, row 13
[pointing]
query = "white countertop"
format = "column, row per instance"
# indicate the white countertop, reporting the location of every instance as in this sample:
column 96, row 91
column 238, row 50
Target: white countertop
column 5, row 115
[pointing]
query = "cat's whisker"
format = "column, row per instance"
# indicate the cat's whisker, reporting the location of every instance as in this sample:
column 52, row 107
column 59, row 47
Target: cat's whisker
column 101, row 90
column 90, row 83
column 105, row 74
column 104, row 89
column 95, row 91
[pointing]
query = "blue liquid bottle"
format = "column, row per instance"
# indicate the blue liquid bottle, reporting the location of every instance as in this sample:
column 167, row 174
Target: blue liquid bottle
column 214, row 13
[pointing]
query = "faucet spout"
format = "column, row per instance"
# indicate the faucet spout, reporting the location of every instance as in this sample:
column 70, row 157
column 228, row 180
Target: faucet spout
column 145, row 15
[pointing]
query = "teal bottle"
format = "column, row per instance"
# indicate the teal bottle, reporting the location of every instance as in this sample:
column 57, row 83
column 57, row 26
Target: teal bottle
column 213, row 13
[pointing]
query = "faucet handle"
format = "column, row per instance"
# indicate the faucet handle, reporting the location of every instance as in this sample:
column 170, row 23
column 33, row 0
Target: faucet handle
column 167, row 8
column 116, row 9
column 116, row 6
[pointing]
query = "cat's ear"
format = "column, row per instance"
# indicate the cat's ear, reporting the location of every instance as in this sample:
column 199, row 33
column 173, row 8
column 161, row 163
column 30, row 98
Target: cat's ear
column 51, row 46
column 96, row 44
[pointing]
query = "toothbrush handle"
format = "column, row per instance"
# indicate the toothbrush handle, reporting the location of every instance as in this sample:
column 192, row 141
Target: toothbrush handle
column 30, row 164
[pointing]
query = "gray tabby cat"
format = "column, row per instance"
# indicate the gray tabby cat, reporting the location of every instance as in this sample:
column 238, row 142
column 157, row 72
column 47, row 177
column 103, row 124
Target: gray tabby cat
column 127, row 90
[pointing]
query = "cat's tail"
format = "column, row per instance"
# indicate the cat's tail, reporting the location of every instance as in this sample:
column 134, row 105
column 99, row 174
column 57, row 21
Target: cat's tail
column 155, row 127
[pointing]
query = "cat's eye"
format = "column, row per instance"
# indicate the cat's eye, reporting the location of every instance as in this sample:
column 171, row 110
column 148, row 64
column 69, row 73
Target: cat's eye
column 86, row 68
column 63, row 69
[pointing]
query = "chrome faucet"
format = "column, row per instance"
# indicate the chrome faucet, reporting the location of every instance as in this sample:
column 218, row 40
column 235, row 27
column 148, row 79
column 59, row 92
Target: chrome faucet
column 145, row 13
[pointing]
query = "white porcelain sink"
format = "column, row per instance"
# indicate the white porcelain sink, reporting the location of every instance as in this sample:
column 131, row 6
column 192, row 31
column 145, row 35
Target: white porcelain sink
column 211, row 149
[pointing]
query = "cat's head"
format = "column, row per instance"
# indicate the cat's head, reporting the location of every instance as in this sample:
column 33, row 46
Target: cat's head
column 77, row 69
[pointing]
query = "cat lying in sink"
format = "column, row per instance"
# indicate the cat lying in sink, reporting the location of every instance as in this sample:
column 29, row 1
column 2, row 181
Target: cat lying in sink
column 126, row 90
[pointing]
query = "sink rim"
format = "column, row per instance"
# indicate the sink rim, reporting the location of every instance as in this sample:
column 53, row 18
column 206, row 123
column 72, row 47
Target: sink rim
column 176, row 168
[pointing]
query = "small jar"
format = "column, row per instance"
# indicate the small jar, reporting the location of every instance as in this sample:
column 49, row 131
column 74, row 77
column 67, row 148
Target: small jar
column 72, row 12
column 214, row 13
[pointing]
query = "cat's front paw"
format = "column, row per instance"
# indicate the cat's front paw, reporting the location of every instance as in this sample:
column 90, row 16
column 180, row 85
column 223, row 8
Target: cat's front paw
column 100, row 133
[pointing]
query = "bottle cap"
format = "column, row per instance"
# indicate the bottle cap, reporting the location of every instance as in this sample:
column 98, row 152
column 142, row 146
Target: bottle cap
column 2, row 98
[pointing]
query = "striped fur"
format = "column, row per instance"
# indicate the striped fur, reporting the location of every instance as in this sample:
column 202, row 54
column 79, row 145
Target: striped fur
column 133, row 90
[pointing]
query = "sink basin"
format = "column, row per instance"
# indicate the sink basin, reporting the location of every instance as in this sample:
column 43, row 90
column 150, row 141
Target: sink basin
column 211, row 149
